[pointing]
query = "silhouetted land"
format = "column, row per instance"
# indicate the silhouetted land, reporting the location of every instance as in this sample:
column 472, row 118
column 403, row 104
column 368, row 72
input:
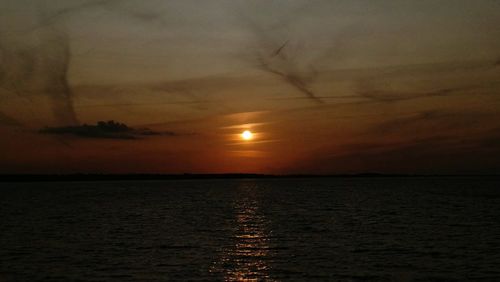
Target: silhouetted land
column 136, row 177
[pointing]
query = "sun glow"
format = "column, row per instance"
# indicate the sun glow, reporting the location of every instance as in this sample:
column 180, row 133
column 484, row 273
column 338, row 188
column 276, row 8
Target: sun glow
column 247, row 135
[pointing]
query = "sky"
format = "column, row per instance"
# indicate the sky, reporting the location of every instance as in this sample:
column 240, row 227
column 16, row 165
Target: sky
column 326, row 87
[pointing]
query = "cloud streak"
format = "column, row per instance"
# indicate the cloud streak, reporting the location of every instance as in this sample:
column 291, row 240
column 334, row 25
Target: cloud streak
column 286, row 70
column 36, row 59
column 38, row 62
column 368, row 90
column 274, row 58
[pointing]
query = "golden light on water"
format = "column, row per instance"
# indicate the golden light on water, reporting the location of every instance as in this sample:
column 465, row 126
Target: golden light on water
column 248, row 256
column 247, row 135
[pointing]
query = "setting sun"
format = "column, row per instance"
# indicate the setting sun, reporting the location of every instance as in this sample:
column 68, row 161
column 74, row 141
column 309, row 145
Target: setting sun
column 247, row 135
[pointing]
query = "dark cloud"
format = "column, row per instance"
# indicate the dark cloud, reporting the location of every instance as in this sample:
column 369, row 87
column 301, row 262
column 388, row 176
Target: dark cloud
column 108, row 130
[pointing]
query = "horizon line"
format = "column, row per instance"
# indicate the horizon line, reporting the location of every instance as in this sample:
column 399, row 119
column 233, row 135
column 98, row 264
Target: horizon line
column 44, row 177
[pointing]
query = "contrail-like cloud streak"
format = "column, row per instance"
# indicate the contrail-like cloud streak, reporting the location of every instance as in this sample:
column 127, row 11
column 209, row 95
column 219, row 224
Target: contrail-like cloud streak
column 35, row 55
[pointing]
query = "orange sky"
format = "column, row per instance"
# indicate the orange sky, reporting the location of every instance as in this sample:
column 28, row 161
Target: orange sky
column 344, row 87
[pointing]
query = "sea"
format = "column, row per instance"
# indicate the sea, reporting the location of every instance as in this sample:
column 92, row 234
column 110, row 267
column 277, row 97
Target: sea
column 296, row 229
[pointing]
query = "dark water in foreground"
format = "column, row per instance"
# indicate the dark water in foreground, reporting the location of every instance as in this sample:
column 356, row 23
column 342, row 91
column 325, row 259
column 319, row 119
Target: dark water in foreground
column 371, row 229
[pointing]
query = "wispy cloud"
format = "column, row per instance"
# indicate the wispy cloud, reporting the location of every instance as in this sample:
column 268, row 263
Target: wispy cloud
column 36, row 57
column 274, row 57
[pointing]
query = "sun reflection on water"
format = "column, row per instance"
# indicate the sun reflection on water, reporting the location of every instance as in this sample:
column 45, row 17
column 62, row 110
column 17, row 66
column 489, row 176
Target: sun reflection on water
column 247, row 259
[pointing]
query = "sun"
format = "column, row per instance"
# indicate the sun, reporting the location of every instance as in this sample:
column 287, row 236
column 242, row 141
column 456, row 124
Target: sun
column 247, row 135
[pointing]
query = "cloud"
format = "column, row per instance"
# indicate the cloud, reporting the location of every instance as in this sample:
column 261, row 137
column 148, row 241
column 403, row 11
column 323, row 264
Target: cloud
column 390, row 96
column 391, row 83
column 107, row 130
column 36, row 54
column 279, row 64
column 284, row 43
column 39, row 62
column 276, row 58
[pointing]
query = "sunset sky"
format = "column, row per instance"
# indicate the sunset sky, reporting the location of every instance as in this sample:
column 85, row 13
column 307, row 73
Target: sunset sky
column 324, row 86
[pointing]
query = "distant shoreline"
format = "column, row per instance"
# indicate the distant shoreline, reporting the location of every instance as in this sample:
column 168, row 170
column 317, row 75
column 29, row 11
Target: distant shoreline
column 187, row 176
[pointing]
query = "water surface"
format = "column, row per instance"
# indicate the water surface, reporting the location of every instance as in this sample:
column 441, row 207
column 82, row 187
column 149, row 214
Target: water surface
column 337, row 229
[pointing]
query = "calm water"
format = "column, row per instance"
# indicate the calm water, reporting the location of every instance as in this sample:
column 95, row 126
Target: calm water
column 372, row 229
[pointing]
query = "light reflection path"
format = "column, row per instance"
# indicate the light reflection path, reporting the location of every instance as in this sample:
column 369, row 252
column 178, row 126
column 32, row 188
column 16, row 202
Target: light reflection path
column 247, row 259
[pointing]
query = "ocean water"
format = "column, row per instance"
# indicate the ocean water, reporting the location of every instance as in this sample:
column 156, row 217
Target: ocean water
column 325, row 229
